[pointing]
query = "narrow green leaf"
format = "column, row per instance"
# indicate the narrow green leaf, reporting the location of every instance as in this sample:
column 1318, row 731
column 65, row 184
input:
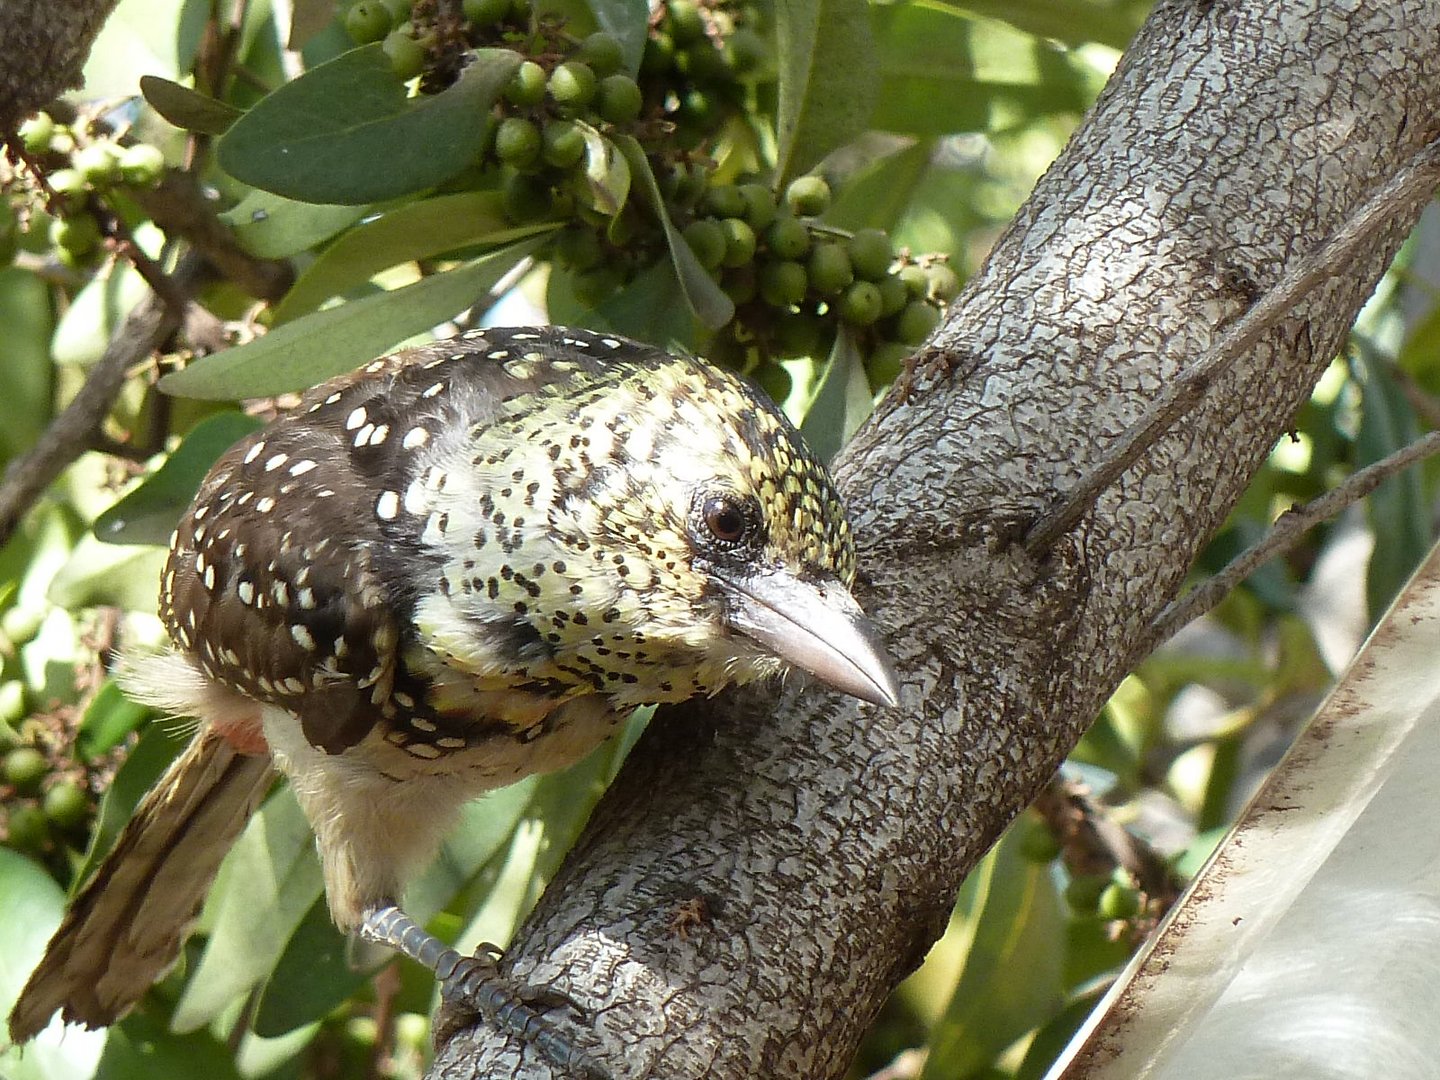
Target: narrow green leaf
column 313, row 976
column 1011, row 981
column 711, row 306
column 108, row 721
column 186, row 108
column 842, row 400
column 149, row 513
column 417, row 230
column 340, row 339
column 346, row 132
column 267, row 883
column 649, row 308
column 141, row 1049
column 828, row 79
column 26, row 314
column 270, row 226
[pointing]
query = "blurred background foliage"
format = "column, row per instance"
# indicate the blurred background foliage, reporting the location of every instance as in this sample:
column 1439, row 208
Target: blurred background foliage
column 797, row 189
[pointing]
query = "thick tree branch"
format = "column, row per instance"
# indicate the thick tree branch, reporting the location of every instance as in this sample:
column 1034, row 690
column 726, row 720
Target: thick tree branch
column 43, row 47
column 829, row 838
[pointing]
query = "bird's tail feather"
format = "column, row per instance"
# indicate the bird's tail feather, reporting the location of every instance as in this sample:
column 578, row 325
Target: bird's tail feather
column 126, row 926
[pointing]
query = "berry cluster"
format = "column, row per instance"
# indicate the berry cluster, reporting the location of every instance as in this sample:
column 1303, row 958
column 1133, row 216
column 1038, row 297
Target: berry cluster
column 42, row 807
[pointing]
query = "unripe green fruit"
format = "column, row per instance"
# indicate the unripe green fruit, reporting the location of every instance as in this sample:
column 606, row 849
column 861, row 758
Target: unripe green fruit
column 1118, row 902
column 69, row 185
column 916, row 322
column 707, row 240
column 944, row 282
column 525, row 198
column 741, row 284
column 860, row 306
column 1083, row 892
column 788, row 238
column 870, row 254
column 686, row 22
column 739, row 242
column 407, row 56
column 98, row 163
column 916, row 280
column 593, row 287
column 883, row 366
column 723, row 200
column 37, row 132
column 562, row 144
column 746, row 51
column 619, row 100
column 25, row 767
column 775, row 381
column 783, row 283
column 830, row 270
column 79, row 235
column 893, row 295
column 521, row 10
column 28, row 829
column 760, row 209
column 701, row 61
column 799, row 334
column 808, row 196
column 485, row 13
column 658, row 57
column 572, row 85
column 367, row 21
column 579, row 248
column 399, row 10
column 699, row 109
column 142, row 165
column 527, row 86
column 66, row 807
column 602, row 52
column 517, row 142
column 1037, row 841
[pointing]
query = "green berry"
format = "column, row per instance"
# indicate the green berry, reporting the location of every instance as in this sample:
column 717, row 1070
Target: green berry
column 686, row 22
column 69, row 185
column 783, row 283
column 860, row 306
column 25, row 767
column 788, row 238
column 741, row 284
column 602, row 52
column 78, row 235
column 98, row 163
column 699, row 111
column 579, row 248
column 485, row 13
column 800, row 334
column 916, row 280
column 367, row 21
column 527, row 86
column 701, row 61
column 525, row 198
column 658, row 57
column 521, row 10
column 808, row 196
column 746, row 51
column 1083, row 892
column 517, row 142
column 28, row 829
column 870, row 254
column 723, row 200
column 707, row 240
column 141, row 165
column 572, row 85
column 562, row 144
column 593, row 287
column 407, row 56
column 1118, row 902
column 1037, row 841
column 893, row 295
column 619, row 100
column 739, row 242
column 775, row 381
column 760, row 209
column 883, row 366
column 66, row 807
column 830, row 270
column 399, row 10
column 916, row 322
column 37, row 132
column 944, row 283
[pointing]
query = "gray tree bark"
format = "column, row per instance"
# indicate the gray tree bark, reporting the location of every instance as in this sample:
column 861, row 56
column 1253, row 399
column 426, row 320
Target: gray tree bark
column 826, row 840
column 44, row 44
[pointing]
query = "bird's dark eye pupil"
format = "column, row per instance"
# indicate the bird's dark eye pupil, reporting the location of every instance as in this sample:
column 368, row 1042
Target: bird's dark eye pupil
column 724, row 519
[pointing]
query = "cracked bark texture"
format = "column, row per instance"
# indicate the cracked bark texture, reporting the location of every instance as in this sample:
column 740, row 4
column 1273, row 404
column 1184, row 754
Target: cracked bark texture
column 826, row 839
column 43, row 46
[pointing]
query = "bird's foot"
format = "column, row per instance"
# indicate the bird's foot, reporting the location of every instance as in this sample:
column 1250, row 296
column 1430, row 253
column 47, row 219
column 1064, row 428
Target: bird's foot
column 476, row 984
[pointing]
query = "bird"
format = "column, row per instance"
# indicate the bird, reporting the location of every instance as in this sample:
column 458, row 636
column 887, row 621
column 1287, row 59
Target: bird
column 462, row 564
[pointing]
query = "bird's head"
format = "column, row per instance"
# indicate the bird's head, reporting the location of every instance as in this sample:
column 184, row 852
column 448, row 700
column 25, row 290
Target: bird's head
column 670, row 531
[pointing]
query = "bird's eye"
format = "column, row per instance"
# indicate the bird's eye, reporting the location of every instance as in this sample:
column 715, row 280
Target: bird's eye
column 725, row 519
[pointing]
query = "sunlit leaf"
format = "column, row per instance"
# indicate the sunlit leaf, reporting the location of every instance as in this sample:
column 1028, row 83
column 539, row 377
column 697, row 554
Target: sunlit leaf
column 842, row 399
column 271, row 226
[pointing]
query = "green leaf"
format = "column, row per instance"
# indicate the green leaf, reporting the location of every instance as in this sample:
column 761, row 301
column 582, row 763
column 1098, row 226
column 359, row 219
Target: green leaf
column 628, row 20
column 271, row 226
column 340, row 339
column 108, row 721
column 606, row 174
column 141, row 1049
column 29, row 373
column 314, row 975
column 267, row 883
column 149, row 513
column 186, row 108
column 346, row 132
column 828, row 79
column 416, row 230
column 1011, row 981
column 711, row 306
column 650, row 307
column 33, row 904
column 842, row 400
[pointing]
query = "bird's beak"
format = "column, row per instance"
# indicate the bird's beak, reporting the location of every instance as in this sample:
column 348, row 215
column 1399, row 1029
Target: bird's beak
column 815, row 626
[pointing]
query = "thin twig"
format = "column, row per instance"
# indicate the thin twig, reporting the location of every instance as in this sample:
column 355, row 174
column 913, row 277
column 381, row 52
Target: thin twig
column 1286, row 533
column 1410, row 186
column 144, row 330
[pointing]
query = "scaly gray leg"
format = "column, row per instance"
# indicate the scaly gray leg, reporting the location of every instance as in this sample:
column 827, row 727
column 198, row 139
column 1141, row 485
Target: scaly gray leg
column 476, row 982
